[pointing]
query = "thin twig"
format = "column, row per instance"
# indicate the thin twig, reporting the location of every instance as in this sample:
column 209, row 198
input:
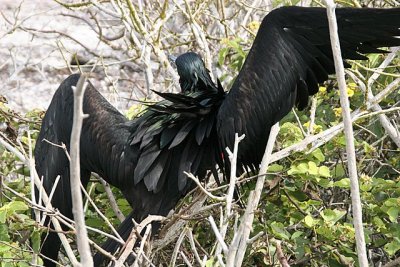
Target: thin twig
column 279, row 253
column 348, row 129
column 248, row 221
column 77, row 203
column 54, row 220
column 111, row 198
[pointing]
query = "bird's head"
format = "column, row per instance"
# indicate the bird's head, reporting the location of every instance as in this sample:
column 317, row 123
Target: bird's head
column 193, row 74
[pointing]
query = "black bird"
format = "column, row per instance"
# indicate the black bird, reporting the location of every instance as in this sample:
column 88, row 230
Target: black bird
column 146, row 157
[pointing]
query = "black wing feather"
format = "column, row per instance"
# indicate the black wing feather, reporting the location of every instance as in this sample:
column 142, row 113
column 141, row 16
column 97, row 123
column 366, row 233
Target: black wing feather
column 290, row 55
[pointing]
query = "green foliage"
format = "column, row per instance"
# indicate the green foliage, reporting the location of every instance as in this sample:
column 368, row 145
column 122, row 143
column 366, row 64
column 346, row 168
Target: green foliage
column 306, row 202
column 19, row 234
column 232, row 55
column 16, row 228
column 310, row 209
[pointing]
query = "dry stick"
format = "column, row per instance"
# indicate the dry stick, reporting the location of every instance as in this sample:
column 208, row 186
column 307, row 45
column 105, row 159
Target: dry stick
column 232, row 182
column 105, row 219
column 130, row 243
column 248, row 220
column 88, row 193
column 250, row 10
column 393, row 263
column 58, row 216
column 111, row 197
column 383, row 119
column 313, row 109
column 148, row 72
column 385, row 92
column 34, row 260
column 193, row 246
column 383, row 65
column 31, row 167
column 348, row 130
column 281, row 257
column 13, row 150
column 200, row 186
column 50, row 196
column 224, row 220
column 244, row 226
column 77, row 203
column 220, row 239
column 170, row 231
column 163, row 59
column 199, row 35
column 56, row 223
column 389, row 128
column 141, row 248
column 177, row 246
column 185, row 259
column 323, row 137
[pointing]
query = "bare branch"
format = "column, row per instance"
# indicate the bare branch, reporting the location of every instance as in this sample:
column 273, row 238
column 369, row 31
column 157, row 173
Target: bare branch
column 111, row 197
column 281, row 256
column 348, row 130
column 75, row 178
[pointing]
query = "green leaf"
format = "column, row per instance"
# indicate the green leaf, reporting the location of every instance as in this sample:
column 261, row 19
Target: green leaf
column 392, row 202
column 24, row 170
column 302, row 168
column 392, row 247
column 317, row 153
column 4, row 236
column 298, row 195
column 343, row 183
column 339, row 171
column 35, row 239
column 326, row 231
column 324, row 171
column 379, row 223
column 393, row 213
column 17, row 206
column 7, row 263
column 222, row 55
column 309, row 221
column 368, row 148
column 325, row 183
column 332, row 216
column 4, row 248
column 312, row 168
column 279, row 230
column 275, row 168
column 296, row 235
column 210, row 262
column 3, row 215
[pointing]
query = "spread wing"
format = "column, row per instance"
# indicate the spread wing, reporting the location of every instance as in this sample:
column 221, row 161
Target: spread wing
column 104, row 137
column 290, row 56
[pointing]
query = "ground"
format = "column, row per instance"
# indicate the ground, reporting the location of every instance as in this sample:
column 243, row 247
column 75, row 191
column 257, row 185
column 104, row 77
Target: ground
column 33, row 55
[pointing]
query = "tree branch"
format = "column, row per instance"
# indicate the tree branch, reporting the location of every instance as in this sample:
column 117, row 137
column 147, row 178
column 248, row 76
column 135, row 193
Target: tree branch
column 75, row 177
column 348, row 130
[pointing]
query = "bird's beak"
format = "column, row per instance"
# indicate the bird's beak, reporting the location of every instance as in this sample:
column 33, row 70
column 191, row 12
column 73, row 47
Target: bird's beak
column 172, row 59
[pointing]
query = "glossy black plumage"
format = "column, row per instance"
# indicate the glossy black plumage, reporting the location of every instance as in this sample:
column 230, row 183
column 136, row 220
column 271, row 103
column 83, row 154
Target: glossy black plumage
column 146, row 157
column 290, row 55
